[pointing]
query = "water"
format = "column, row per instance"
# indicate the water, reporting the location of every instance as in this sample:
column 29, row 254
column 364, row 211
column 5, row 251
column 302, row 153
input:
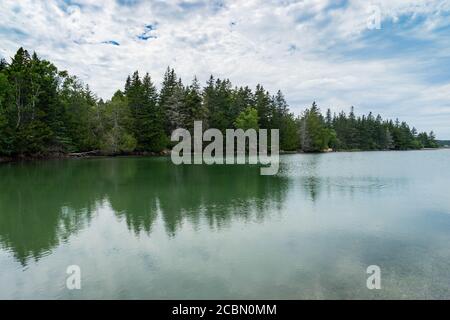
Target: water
column 142, row 228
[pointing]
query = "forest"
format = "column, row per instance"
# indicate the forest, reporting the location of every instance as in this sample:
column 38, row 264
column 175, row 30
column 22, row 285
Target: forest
column 45, row 111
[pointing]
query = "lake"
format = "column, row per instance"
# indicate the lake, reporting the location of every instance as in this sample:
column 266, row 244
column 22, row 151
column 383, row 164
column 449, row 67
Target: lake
column 143, row 228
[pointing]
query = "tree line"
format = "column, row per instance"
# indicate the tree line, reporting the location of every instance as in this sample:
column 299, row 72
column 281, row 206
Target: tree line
column 46, row 111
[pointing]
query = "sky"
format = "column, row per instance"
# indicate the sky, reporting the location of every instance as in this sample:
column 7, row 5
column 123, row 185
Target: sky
column 390, row 57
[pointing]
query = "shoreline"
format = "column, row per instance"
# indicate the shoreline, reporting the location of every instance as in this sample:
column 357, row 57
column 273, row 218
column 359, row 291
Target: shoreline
column 165, row 153
column 81, row 155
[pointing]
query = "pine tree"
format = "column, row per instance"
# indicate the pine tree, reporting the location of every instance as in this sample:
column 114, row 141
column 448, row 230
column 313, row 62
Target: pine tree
column 218, row 97
column 147, row 117
column 169, row 86
column 6, row 136
column 193, row 106
column 432, row 143
column 315, row 136
column 329, row 119
column 151, row 121
column 43, row 110
column 175, row 108
column 264, row 107
column 242, row 98
column 209, row 102
column 127, row 85
column 3, row 64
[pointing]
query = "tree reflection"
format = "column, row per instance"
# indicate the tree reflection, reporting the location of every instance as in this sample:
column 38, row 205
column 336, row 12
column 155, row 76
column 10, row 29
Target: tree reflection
column 42, row 204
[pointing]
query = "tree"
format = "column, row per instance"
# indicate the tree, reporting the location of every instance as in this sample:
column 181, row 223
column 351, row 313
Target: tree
column 34, row 108
column 241, row 99
column 314, row 135
column 264, row 107
column 80, row 125
column 432, row 139
column 3, row 64
column 329, row 119
column 117, row 119
column 175, row 108
column 147, row 117
column 289, row 134
column 218, row 98
column 247, row 119
column 169, row 85
column 285, row 122
column 46, row 111
column 193, row 106
column 6, row 135
column 150, row 120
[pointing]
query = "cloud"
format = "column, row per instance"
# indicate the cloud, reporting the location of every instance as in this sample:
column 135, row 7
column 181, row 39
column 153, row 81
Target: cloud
column 114, row 43
column 317, row 50
column 148, row 33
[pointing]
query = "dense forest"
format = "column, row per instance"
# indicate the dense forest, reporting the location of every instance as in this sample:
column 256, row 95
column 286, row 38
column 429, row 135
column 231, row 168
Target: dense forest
column 45, row 111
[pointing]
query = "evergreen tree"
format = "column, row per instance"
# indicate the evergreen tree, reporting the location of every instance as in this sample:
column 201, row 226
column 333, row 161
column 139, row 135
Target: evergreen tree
column 315, row 136
column 117, row 120
column 329, row 119
column 78, row 128
column 3, row 64
column 264, row 107
column 218, row 99
column 241, row 99
column 6, row 134
column 43, row 110
column 193, row 106
column 147, row 116
column 175, row 108
column 169, row 86
column 150, row 120
column 289, row 139
column 432, row 143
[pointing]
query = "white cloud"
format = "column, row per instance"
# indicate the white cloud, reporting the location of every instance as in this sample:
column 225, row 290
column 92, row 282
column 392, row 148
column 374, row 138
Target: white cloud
column 311, row 50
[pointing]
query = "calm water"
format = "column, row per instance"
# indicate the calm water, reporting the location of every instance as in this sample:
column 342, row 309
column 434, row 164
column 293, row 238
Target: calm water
column 142, row 228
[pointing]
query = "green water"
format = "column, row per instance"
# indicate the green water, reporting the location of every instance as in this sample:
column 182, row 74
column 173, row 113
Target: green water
column 142, row 228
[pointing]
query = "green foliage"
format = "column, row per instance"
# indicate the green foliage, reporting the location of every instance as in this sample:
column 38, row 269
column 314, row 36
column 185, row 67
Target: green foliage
column 315, row 136
column 427, row 140
column 116, row 119
column 5, row 132
column 247, row 119
column 264, row 106
column 76, row 128
column 193, row 109
column 289, row 137
column 170, row 91
column 372, row 133
column 147, row 118
column 43, row 110
column 218, row 99
column 29, row 104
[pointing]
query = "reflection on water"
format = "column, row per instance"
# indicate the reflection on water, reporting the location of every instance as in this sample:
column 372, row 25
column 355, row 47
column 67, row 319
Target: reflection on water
column 144, row 228
column 42, row 204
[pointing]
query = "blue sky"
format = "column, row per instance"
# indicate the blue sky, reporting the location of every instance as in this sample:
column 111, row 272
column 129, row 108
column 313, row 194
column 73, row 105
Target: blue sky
column 319, row 50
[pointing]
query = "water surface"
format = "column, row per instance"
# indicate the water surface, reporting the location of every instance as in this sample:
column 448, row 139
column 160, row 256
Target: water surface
column 142, row 228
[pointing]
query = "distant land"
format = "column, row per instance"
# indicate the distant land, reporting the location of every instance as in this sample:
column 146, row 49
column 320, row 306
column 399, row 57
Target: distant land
column 444, row 143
